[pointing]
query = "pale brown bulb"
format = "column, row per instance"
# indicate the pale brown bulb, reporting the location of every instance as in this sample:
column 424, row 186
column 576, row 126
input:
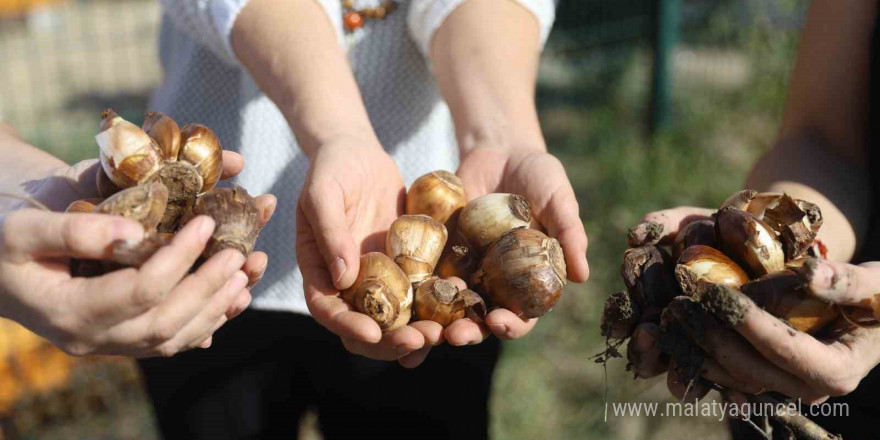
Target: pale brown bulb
column 201, row 148
column 785, row 294
column 524, row 272
column 749, row 241
column 128, row 155
column 144, row 204
column 485, row 219
column 236, row 219
column 165, row 131
column 796, row 222
column 415, row 243
column 437, row 194
column 701, row 267
column 85, row 206
column 381, row 291
column 700, row 232
column 457, row 261
column 440, row 301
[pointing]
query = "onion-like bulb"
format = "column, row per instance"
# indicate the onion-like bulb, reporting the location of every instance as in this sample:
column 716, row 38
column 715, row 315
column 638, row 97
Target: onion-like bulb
column 440, row 301
column 236, row 219
column 749, row 241
column 128, row 155
column 485, row 219
column 381, row 291
column 415, row 243
column 165, row 131
column 701, row 267
column 196, row 168
column 437, row 194
column 144, row 204
column 785, row 294
column 524, row 272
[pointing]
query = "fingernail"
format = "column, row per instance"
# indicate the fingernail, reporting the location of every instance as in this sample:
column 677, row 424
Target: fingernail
column 206, row 227
column 270, row 211
column 207, row 342
column 337, row 270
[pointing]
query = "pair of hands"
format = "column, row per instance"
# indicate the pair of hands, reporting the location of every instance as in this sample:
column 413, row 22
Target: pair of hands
column 353, row 193
column 158, row 309
column 762, row 353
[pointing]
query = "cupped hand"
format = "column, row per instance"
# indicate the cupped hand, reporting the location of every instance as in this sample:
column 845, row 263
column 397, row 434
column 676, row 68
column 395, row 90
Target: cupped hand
column 541, row 179
column 762, row 353
column 352, row 194
column 74, row 182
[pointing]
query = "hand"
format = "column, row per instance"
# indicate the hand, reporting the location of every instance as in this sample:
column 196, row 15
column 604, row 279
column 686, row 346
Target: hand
column 541, row 179
column 762, row 353
column 352, row 194
column 61, row 188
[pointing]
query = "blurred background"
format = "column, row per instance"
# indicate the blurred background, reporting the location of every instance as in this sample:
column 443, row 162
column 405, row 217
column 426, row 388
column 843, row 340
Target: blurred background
column 649, row 104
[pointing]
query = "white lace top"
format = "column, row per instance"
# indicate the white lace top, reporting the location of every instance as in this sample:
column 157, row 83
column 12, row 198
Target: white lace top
column 205, row 83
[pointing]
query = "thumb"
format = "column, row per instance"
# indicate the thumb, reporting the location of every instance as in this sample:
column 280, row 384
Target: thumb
column 324, row 209
column 662, row 226
column 32, row 233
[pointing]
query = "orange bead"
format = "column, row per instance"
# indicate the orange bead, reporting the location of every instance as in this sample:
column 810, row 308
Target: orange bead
column 353, row 20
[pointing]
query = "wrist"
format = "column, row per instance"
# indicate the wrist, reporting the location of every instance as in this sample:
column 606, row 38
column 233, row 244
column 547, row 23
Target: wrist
column 503, row 138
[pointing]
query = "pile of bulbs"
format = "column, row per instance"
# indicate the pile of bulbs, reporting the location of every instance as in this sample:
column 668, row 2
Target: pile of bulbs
column 761, row 244
column 161, row 176
column 485, row 242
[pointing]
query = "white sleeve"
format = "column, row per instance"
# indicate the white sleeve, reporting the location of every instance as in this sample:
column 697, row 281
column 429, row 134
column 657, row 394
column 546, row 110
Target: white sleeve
column 426, row 16
column 210, row 21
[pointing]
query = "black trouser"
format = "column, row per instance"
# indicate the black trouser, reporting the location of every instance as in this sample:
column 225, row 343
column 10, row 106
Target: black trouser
column 266, row 368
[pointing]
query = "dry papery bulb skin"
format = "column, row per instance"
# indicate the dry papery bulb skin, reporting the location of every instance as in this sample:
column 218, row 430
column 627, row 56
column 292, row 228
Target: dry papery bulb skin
column 165, row 131
column 696, row 233
column 524, row 272
column 415, row 243
column 797, row 222
column 784, row 294
column 381, row 291
column 438, row 194
column 143, row 203
column 647, row 274
column 701, row 267
column 196, row 168
column 749, row 241
column 440, row 301
column 485, row 219
column 236, row 219
column 620, row 316
column 128, row 155
column 740, row 199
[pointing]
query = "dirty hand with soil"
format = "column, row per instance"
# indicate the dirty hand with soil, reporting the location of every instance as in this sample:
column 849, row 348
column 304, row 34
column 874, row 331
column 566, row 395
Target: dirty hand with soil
column 745, row 349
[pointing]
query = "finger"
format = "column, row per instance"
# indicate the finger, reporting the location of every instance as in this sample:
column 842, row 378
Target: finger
column 266, row 205
column 32, row 233
column 746, row 365
column 841, row 283
column 561, row 217
column 431, row 331
column 798, row 353
column 172, row 262
column 466, row 332
column 255, row 267
column 685, row 389
column 394, row 345
column 195, row 293
column 415, row 358
column 210, row 318
column 324, row 208
column 207, row 322
column 321, row 296
column 506, row 325
column 661, row 227
column 233, row 163
column 240, row 304
column 645, row 359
